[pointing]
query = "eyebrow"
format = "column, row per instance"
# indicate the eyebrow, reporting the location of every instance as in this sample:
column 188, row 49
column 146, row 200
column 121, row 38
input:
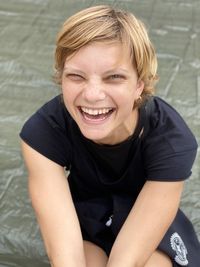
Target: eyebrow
column 114, row 70
column 73, row 69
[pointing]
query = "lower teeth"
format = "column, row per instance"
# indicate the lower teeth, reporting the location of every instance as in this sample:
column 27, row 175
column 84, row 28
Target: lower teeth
column 98, row 116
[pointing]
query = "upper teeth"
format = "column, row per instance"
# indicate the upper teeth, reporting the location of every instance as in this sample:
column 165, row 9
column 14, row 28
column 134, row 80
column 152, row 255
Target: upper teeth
column 95, row 111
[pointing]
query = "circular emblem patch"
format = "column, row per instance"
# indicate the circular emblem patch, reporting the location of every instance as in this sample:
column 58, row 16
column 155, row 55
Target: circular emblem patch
column 178, row 246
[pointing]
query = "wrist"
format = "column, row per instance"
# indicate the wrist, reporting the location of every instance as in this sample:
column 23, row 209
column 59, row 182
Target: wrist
column 68, row 261
column 122, row 261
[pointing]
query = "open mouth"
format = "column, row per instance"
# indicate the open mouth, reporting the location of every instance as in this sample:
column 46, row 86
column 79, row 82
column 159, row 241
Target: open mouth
column 96, row 115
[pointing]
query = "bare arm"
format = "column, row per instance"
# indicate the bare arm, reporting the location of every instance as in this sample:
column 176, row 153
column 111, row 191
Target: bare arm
column 51, row 199
column 148, row 221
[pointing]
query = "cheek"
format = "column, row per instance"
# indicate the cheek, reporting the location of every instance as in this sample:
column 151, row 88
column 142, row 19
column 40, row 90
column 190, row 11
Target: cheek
column 127, row 96
column 68, row 90
column 71, row 96
column 128, row 101
column 67, row 95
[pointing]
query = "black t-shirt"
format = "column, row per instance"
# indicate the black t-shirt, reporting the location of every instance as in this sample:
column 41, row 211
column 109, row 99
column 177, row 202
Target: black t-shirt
column 161, row 149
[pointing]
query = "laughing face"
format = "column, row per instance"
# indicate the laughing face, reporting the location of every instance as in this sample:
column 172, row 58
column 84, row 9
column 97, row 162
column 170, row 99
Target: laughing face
column 100, row 86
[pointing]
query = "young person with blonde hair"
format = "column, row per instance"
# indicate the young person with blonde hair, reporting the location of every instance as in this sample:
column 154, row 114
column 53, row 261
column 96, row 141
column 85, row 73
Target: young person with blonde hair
column 127, row 152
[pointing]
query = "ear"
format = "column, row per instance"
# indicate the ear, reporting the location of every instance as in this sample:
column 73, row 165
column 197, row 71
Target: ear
column 140, row 87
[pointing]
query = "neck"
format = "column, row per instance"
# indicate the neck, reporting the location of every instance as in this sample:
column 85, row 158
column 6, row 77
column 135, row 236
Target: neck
column 122, row 133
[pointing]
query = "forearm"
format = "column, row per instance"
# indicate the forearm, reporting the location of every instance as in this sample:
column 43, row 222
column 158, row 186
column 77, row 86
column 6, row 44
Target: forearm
column 52, row 201
column 63, row 240
column 146, row 225
column 60, row 228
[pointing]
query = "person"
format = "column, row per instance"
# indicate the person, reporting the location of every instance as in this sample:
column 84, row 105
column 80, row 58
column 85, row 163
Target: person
column 106, row 157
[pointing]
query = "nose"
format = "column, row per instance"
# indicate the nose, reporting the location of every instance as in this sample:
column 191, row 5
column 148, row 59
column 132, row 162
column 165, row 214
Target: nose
column 94, row 92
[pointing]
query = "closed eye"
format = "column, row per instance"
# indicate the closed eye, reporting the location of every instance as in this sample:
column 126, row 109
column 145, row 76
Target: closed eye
column 116, row 77
column 74, row 77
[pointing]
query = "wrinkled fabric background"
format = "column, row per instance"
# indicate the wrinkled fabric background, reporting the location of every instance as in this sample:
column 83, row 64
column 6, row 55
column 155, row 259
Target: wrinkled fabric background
column 27, row 36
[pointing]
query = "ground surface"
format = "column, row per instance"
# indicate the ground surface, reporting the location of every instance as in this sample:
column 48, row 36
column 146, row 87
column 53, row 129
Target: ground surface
column 27, row 35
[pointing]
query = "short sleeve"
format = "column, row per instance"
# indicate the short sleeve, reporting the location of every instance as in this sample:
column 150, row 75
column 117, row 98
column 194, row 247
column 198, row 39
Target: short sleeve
column 47, row 138
column 170, row 147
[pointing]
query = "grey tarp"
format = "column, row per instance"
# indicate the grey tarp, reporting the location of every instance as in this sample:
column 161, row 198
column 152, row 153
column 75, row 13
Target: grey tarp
column 27, row 35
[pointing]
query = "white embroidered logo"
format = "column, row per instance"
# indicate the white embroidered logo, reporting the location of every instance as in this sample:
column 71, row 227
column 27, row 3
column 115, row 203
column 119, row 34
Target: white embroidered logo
column 178, row 245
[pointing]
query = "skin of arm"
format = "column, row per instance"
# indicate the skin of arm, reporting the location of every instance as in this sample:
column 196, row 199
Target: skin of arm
column 55, row 212
column 148, row 221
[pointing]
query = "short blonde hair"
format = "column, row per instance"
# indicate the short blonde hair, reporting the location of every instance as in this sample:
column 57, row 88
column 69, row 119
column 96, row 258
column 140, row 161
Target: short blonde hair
column 104, row 23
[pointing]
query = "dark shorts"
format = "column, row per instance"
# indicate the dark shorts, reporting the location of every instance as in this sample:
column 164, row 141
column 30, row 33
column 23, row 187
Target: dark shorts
column 100, row 223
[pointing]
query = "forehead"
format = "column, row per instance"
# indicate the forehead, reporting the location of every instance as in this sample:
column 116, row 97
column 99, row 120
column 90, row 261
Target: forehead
column 100, row 53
